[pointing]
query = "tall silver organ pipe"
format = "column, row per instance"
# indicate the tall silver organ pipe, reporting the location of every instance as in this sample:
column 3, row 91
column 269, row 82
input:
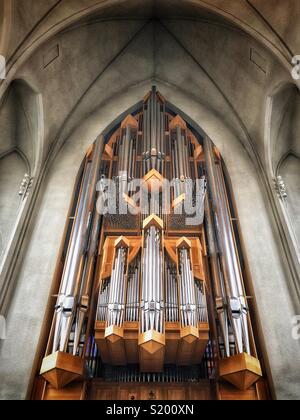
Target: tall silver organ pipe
column 152, row 303
column 180, row 159
column 188, row 307
column 232, row 287
column 133, row 295
column 84, row 296
column 154, row 133
column 73, row 275
column 171, row 287
column 116, row 303
column 127, row 152
column 217, row 281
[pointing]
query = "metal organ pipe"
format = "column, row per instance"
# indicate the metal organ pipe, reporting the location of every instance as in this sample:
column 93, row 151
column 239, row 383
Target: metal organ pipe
column 233, row 291
column 188, row 306
column 116, row 305
column 69, row 294
column 217, row 280
column 171, row 293
column 201, row 301
column 103, row 300
column 86, row 285
column 152, row 308
column 127, row 152
column 132, row 301
column 180, row 158
column 154, row 133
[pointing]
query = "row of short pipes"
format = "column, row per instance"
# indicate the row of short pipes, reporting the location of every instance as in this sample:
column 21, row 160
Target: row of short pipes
column 193, row 306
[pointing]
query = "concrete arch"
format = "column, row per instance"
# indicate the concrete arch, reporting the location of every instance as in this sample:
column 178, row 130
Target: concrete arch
column 21, row 114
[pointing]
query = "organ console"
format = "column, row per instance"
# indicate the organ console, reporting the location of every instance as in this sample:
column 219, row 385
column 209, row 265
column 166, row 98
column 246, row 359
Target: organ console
column 161, row 286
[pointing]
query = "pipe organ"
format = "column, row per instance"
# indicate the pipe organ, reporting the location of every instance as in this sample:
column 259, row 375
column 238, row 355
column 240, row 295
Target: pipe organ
column 155, row 285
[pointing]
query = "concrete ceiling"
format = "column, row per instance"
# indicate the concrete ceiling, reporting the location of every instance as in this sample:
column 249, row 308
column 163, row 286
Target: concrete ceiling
column 231, row 55
column 273, row 21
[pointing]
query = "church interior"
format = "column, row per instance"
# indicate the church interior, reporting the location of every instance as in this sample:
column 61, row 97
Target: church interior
column 149, row 200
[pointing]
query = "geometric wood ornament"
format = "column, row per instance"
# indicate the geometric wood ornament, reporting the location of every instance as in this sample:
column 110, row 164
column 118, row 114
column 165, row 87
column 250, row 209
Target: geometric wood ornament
column 153, row 220
column 184, row 243
column 60, row 369
column 241, row 370
column 153, row 180
column 115, row 341
column 152, row 351
column 187, row 345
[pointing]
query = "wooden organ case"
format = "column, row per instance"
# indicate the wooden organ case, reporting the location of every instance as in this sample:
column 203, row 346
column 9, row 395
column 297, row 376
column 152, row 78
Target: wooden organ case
column 151, row 287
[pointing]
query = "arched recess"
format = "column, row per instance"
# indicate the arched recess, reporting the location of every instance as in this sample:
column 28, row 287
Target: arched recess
column 282, row 146
column 21, row 140
column 282, row 124
column 19, row 120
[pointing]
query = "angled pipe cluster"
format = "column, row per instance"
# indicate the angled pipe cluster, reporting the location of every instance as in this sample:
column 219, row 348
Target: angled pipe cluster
column 74, row 295
column 227, row 279
column 127, row 148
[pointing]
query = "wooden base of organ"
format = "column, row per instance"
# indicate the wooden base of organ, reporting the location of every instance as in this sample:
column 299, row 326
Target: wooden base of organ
column 99, row 390
column 241, row 370
column 178, row 347
column 60, row 369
